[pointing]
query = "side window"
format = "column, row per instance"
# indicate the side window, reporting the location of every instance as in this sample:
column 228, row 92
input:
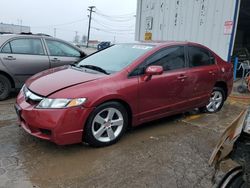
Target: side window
column 171, row 58
column 57, row 48
column 6, row 48
column 27, row 46
column 199, row 57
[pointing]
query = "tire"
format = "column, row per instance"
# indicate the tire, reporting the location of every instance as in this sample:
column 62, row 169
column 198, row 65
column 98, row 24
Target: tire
column 106, row 125
column 242, row 89
column 232, row 179
column 216, row 101
column 5, row 87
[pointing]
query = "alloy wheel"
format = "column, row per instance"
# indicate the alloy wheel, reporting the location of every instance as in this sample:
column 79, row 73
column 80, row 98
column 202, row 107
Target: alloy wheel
column 107, row 125
column 215, row 101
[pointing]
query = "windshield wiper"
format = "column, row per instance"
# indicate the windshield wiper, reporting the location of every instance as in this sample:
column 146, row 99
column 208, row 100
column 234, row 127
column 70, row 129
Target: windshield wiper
column 93, row 67
column 73, row 64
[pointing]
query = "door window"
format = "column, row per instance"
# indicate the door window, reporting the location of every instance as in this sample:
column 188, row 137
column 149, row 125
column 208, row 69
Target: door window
column 57, row 48
column 6, row 48
column 170, row 58
column 26, row 46
column 199, row 57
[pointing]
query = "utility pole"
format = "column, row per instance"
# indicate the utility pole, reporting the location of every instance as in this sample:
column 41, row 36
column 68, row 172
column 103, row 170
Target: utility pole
column 20, row 23
column 76, row 38
column 54, row 32
column 90, row 9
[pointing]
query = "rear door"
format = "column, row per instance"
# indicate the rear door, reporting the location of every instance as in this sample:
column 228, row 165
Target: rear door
column 61, row 53
column 24, row 57
column 202, row 73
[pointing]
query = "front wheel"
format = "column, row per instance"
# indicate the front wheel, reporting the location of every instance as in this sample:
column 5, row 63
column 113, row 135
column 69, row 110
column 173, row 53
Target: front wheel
column 216, row 101
column 106, row 124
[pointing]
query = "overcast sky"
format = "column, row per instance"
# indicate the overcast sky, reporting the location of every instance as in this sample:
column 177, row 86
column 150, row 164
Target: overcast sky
column 113, row 20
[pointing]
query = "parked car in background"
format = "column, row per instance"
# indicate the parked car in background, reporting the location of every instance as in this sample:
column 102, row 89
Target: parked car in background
column 96, row 100
column 23, row 55
column 103, row 45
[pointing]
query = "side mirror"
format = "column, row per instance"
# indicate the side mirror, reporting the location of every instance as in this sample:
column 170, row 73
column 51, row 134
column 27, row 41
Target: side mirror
column 83, row 54
column 154, row 70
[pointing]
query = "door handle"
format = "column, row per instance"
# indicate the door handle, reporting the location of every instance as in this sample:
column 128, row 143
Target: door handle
column 55, row 60
column 181, row 77
column 211, row 72
column 10, row 58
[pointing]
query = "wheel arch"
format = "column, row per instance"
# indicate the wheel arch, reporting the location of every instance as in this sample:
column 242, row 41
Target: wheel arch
column 9, row 77
column 123, row 103
column 223, row 85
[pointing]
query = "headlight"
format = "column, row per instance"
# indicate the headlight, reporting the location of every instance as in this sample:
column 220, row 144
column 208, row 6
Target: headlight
column 247, row 123
column 29, row 95
column 60, row 103
column 22, row 89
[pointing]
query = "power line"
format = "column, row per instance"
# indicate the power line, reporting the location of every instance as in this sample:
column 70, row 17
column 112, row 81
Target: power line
column 109, row 24
column 123, row 15
column 113, row 32
column 62, row 24
column 115, row 19
column 124, row 28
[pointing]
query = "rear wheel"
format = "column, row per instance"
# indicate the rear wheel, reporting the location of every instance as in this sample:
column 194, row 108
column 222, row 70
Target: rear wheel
column 242, row 89
column 106, row 124
column 216, row 101
column 5, row 87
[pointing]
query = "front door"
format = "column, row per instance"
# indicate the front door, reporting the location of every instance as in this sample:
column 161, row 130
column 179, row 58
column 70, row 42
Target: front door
column 166, row 93
column 61, row 53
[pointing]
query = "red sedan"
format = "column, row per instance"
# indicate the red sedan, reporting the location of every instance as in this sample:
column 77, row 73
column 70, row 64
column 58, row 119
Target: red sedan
column 97, row 99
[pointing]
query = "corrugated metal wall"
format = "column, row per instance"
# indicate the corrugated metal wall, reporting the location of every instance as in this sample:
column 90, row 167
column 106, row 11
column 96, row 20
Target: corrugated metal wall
column 201, row 21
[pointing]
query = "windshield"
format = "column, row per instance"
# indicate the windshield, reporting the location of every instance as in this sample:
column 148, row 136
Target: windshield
column 117, row 57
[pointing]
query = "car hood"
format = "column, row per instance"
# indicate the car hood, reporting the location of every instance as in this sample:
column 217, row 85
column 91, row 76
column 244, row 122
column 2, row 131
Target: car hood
column 53, row 80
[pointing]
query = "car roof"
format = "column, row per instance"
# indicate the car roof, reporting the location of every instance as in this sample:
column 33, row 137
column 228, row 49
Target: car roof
column 5, row 37
column 166, row 43
column 159, row 44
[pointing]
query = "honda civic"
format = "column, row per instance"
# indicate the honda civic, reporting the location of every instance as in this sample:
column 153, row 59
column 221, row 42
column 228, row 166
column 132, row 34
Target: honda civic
column 96, row 100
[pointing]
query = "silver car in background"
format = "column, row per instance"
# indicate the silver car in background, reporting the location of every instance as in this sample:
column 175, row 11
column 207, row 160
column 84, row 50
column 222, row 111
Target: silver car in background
column 23, row 55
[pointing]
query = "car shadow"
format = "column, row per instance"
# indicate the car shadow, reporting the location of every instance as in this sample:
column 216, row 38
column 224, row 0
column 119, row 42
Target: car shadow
column 163, row 121
column 149, row 128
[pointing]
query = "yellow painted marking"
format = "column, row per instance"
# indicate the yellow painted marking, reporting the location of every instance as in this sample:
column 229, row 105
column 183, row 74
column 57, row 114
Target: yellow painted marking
column 192, row 117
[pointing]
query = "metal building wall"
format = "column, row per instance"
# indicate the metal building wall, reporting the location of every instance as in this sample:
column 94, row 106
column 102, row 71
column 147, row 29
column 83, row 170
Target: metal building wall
column 201, row 21
column 14, row 28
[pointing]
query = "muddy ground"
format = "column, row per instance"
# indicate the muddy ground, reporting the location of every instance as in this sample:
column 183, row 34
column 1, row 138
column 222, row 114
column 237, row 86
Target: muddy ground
column 172, row 152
